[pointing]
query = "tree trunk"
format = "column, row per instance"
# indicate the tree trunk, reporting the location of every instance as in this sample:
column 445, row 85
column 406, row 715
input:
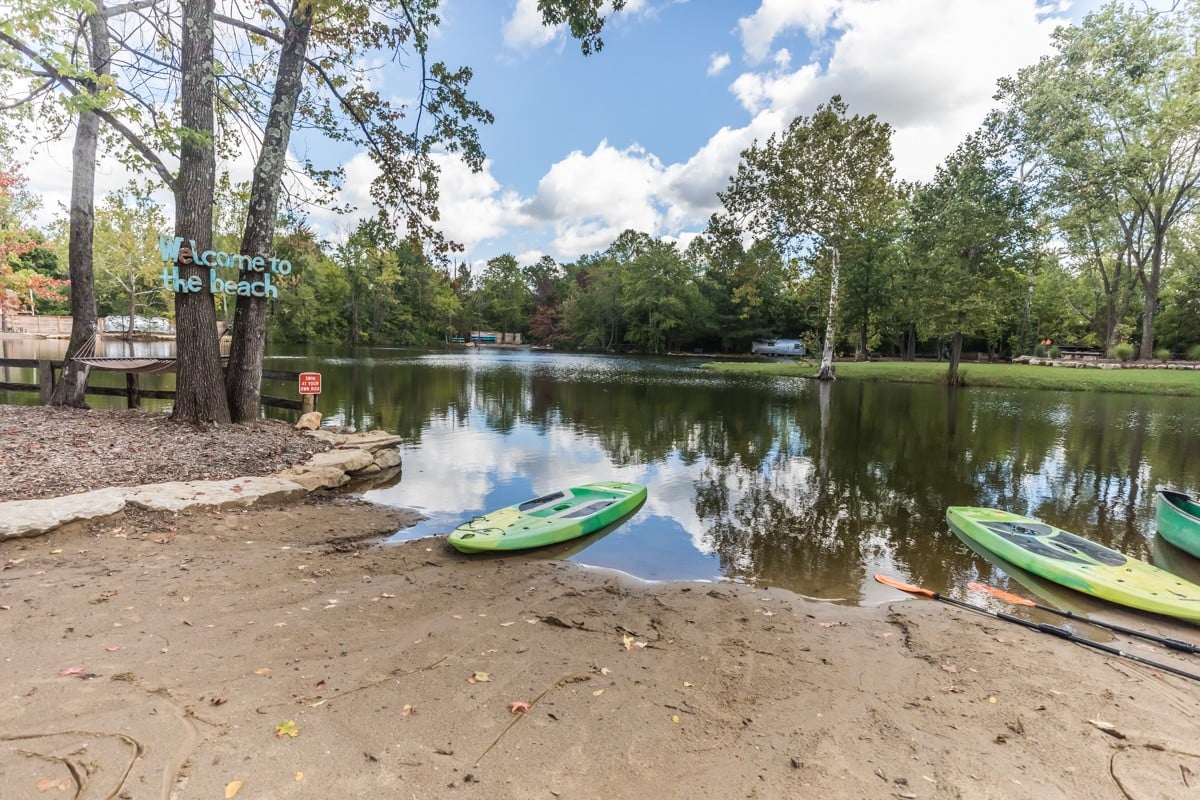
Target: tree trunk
column 1151, row 284
column 827, row 371
column 72, row 385
column 952, row 376
column 199, row 390
column 243, row 380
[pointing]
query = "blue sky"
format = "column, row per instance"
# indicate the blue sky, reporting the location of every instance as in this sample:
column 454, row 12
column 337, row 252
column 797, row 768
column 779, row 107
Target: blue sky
column 645, row 133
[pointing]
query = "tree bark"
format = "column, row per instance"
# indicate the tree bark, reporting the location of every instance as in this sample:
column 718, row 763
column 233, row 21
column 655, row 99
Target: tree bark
column 199, row 390
column 71, row 388
column 827, row 371
column 952, row 376
column 243, row 380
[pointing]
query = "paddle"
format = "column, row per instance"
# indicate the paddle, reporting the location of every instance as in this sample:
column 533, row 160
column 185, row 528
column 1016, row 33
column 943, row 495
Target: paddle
column 1044, row 627
column 1017, row 600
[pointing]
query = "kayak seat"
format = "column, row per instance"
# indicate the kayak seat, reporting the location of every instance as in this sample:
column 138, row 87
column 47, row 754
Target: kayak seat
column 589, row 509
column 540, row 501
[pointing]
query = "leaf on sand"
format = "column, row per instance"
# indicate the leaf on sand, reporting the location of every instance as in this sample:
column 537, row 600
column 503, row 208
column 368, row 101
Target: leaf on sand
column 220, row 700
column 627, row 640
column 232, row 788
column 832, row 624
column 286, row 729
column 675, row 718
column 262, row 671
column 407, row 711
column 949, row 667
column 478, row 677
column 1107, row 727
column 597, row 693
column 521, row 706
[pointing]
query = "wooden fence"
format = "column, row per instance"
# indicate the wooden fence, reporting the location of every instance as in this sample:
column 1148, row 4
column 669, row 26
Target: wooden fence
column 133, row 393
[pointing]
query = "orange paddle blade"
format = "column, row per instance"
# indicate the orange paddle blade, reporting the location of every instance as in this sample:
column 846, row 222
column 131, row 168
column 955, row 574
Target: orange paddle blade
column 1007, row 597
column 904, row 587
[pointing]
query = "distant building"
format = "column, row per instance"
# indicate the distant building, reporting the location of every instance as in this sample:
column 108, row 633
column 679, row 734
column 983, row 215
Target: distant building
column 779, row 347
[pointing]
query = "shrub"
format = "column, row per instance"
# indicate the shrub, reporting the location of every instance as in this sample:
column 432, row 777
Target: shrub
column 1162, row 354
column 1193, row 353
column 1053, row 352
column 1123, row 351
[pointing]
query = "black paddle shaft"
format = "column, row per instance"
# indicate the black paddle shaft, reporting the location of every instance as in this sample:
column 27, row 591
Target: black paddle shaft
column 1165, row 641
column 1063, row 633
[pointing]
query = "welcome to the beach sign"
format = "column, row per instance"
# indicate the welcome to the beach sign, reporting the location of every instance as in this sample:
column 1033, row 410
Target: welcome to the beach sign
column 218, row 259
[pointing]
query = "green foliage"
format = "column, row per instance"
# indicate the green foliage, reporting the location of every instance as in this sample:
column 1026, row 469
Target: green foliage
column 1123, row 351
column 1053, row 352
column 1162, row 354
column 1193, row 353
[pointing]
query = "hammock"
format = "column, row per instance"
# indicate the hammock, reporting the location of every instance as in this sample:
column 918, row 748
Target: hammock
column 86, row 355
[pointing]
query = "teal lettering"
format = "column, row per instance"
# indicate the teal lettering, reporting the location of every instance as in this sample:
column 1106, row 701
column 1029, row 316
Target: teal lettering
column 194, row 284
column 284, row 267
column 258, row 264
column 169, row 248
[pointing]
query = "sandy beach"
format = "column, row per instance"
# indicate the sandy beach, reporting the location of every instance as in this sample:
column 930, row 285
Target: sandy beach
column 279, row 651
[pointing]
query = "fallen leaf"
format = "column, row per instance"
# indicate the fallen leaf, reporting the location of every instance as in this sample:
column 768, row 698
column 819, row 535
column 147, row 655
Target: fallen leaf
column 80, row 672
column 385, row 594
column 456, row 616
column 299, row 777
column 478, row 677
column 949, row 668
column 640, row 644
column 219, row 700
column 832, row 624
column 286, row 729
column 407, row 711
column 113, row 649
column 262, row 670
column 627, row 640
column 5, row 608
column 675, row 718
column 992, row 699
column 506, row 624
column 605, row 671
column 688, row 684
column 597, row 693
column 518, row 705
column 1107, row 727
column 232, row 788
column 56, row 551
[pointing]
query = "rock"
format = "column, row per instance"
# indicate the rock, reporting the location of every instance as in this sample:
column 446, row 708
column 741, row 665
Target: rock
column 313, row 478
column 34, row 517
column 309, row 422
column 386, row 459
column 182, row 495
column 345, row 459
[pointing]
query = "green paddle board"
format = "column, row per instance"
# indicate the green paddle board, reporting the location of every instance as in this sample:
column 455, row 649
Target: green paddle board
column 549, row 519
column 1077, row 563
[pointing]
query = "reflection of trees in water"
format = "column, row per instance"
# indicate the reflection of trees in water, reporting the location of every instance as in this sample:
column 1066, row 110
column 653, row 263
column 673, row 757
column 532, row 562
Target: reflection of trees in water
column 792, row 484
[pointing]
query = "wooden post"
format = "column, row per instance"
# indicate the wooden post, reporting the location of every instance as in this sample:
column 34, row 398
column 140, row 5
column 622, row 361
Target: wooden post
column 133, row 392
column 45, row 381
column 308, row 402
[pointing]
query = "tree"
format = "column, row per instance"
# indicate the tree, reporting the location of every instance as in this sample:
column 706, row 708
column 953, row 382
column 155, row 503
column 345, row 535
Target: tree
column 406, row 187
column 505, row 294
column 1109, row 117
column 966, row 227
column 823, row 181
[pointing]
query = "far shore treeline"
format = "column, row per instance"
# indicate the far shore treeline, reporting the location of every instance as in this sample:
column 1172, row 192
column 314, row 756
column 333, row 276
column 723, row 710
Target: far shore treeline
column 1066, row 218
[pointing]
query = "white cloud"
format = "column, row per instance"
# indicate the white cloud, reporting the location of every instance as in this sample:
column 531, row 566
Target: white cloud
column 774, row 17
column 524, row 29
column 717, row 63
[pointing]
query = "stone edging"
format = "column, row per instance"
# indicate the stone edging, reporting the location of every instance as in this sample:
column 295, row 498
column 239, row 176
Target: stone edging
column 354, row 456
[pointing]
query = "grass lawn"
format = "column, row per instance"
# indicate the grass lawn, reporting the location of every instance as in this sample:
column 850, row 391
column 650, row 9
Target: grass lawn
column 1183, row 383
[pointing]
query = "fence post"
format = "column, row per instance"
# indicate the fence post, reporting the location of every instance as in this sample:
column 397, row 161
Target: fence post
column 133, row 392
column 45, row 381
column 308, row 402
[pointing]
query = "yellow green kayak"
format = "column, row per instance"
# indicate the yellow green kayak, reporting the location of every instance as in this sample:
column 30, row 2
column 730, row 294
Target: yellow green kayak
column 1077, row 563
column 549, row 519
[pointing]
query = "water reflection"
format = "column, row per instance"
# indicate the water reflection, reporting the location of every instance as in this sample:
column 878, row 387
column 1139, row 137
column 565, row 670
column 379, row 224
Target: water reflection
column 805, row 486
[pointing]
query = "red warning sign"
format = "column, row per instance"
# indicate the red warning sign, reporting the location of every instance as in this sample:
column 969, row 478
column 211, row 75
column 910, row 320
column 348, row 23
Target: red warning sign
column 310, row 383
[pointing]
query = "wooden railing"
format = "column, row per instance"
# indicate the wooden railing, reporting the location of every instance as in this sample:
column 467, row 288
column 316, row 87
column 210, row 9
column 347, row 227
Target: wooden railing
column 133, row 393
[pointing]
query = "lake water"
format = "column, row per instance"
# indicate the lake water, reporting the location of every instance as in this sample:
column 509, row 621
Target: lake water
column 779, row 482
